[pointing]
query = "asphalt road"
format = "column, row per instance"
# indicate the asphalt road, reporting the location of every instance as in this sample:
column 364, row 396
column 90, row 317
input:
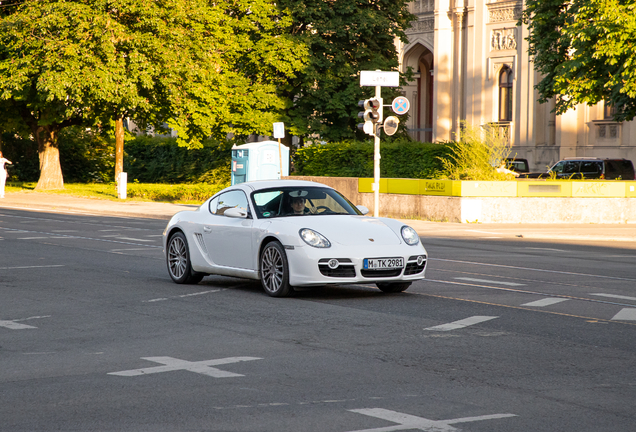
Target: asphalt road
column 504, row 335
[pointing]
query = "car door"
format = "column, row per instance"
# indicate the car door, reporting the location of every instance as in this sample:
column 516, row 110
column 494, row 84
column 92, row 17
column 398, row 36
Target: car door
column 229, row 239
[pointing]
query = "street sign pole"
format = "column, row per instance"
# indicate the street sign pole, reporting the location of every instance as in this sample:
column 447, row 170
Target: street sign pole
column 378, row 79
column 376, row 162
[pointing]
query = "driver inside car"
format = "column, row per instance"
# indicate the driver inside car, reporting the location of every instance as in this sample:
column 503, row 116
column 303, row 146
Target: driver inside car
column 298, row 205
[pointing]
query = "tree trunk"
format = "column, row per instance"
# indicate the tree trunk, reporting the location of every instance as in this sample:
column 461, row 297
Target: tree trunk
column 49, row 153
column 119, row 148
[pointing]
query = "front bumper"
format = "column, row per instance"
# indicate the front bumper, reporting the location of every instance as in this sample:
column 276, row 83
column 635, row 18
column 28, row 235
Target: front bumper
column 310, row 266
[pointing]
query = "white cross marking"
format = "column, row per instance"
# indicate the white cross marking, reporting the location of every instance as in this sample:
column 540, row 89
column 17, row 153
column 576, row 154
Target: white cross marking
column 173, row 364
column 406, row 421
column 461, row 323
column 545, row 302
column 626, row 314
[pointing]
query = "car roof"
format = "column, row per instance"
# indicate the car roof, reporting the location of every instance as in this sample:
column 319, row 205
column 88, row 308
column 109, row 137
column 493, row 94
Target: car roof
column 269, row 184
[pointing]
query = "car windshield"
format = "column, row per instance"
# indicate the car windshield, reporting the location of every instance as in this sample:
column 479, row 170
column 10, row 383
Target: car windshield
column 299, row 201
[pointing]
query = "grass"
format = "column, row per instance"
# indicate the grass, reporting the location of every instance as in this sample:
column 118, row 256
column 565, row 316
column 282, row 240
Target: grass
column 177, row 194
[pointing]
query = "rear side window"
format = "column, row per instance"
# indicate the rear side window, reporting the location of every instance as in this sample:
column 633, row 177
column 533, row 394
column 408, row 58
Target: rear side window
column 594, row 167
column 571, row 167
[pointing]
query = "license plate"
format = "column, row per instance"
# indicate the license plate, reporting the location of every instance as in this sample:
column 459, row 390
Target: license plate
column 383, row 263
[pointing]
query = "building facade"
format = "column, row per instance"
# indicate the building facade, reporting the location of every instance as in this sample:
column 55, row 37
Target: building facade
column 471, row 64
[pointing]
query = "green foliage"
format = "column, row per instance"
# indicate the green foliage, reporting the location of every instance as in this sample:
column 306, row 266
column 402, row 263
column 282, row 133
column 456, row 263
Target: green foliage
column 477, row 154
column 85, row 156
column 343, row 37
column 186, row 194
column 162, row 160
column 585, row 51
column 400, row 159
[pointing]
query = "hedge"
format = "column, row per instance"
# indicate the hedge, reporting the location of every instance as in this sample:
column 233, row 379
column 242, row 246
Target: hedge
column 399, row 159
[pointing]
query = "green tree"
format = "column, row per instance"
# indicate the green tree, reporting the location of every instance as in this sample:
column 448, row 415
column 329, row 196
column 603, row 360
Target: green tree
column 585, row 51
column 343, row 37
column 203, row 68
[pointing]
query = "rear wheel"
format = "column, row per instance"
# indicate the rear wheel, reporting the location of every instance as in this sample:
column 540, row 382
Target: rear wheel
column 178, row 261
column 393, row 287
column 275, row 270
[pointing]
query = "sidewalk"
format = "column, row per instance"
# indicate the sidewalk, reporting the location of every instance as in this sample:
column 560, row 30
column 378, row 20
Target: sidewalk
column 39, row 201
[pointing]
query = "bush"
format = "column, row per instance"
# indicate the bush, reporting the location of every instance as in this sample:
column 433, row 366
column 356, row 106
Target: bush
column 161, row 160
column 399, row 159
column 477, row 154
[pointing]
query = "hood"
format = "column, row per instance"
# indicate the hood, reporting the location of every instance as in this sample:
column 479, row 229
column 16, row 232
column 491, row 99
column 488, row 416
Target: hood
column 349, row 230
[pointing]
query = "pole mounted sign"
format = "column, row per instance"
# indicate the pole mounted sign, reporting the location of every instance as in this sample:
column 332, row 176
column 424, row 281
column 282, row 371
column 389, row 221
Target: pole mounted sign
column 379, row 78
column 400, row 105
column 373, row 117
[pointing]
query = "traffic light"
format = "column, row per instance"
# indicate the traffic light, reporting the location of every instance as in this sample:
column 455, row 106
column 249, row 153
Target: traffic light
column 372, row 114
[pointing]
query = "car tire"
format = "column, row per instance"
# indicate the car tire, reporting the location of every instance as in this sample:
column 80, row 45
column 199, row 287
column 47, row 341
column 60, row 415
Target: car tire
column 275, row 270
column 393, row 287
column 178, row 261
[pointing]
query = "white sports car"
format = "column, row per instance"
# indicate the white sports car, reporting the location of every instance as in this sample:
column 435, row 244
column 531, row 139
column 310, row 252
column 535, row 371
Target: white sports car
column 289, row 233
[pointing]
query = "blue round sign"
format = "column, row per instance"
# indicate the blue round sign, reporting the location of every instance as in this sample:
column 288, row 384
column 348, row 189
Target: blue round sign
column 400, row 105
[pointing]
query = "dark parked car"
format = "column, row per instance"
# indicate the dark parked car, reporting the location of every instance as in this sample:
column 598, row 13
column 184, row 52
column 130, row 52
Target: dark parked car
column 517, row 165
column 588, row 168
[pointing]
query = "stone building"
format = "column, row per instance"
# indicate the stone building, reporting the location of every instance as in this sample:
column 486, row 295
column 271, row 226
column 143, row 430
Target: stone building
column 472, row 65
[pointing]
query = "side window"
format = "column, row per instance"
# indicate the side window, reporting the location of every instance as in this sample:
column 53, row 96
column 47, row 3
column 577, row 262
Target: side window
column 557, row 168
column 231, row 199
column 571, row 167
column 505, row 94
column 213, row 205
column 591, row 167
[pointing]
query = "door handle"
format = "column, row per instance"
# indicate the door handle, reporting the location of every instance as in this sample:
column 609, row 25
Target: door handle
column 207, row 229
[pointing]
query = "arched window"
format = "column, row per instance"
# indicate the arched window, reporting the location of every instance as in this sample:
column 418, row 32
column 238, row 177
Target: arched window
column 505, row 94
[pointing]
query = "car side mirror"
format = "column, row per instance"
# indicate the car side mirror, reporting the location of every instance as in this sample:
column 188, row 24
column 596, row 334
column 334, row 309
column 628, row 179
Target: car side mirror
column 235, row 212
column 362, row 209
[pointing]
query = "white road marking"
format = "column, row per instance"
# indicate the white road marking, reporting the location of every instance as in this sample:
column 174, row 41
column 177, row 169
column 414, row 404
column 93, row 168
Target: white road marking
column 545, row 302
column 61, row 236
column 129, row 249
column 532, row 269
column 626, row 314
column 182, row 296
column 461, row 323
column 56, row 231
column 30, row 267
column 14, row 325
column 489, row 281
column 407, row 421
column 202, row 367
column 614, row 296
column 548, row 249
column 32, row 238
column 133, row 239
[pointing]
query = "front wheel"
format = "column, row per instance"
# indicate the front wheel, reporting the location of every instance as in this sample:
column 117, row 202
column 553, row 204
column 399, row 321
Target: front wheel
column 178, row 261
column 393, row 287
column 275, row 270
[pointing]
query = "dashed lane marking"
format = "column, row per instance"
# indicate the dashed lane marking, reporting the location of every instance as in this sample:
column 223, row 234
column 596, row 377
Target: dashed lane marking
column 52, row 235
column 31, row 267
column 489, row 281
column 182, row 296
column 545, row 302
column 409, row 422
column 16, row 325
column 532, row 269
column 626, row 314
column 171, row 364
column 461, row 323
column 622, row 297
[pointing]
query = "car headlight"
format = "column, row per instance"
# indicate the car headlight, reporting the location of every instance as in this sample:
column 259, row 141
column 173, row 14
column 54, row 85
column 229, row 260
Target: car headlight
column 410, row 236
column 313, row 238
